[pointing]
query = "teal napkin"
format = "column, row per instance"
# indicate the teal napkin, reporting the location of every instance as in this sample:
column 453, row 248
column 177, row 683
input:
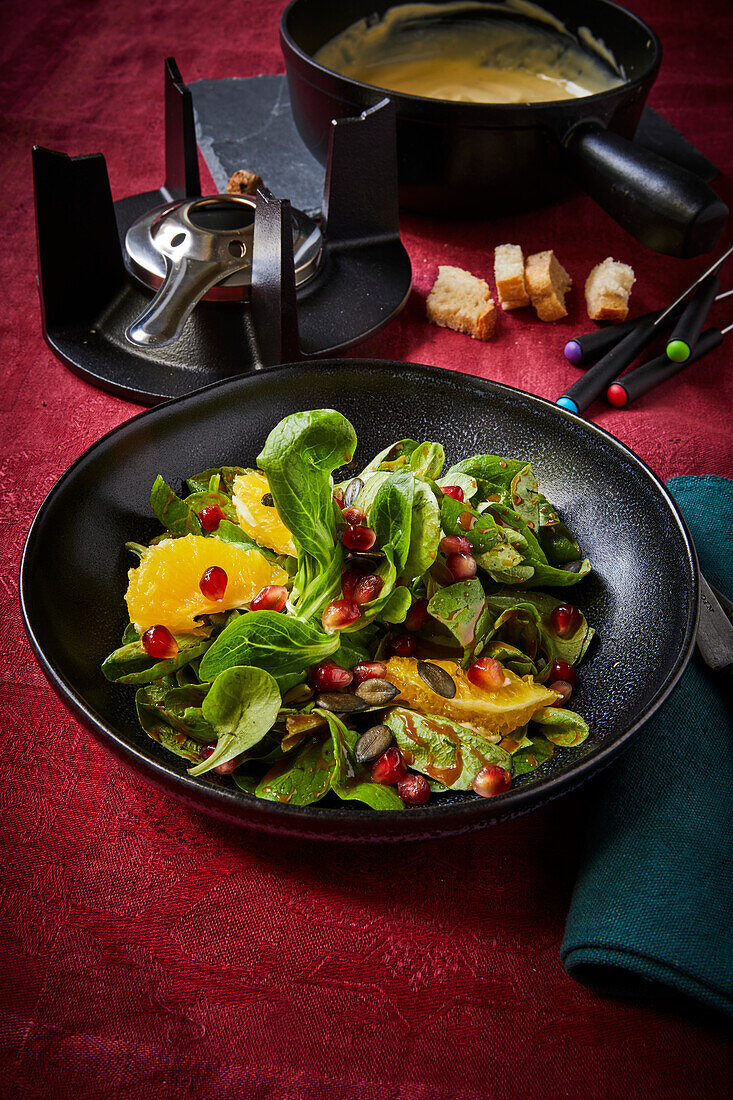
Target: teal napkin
column 653, row 904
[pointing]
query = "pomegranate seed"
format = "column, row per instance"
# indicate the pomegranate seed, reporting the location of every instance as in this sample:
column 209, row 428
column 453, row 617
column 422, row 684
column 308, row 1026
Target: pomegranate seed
column 403, row 645
column 417, row 615
column 454, row 491
column 159, row 642
column 462, row 566
column 213, row 583
column 272, row 597
column 340, row 613
column 355, row 515
column 491, row 780
column 455, row 544
column 339, row 501
column 389, row 767
column 349, row 580
column 223, row 769
column 328, row 676
column 487, row 674
column 563, row 689
column 413, row 789
column 565, row 620
column 359, row 538
column 210, row 517
column 369, row 670
column 561, row 670
column 367, row 588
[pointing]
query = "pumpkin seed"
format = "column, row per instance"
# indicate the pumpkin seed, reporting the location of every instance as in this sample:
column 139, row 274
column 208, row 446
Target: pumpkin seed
column 339, row 703
column 373, row 743
column 377, row 693
column 437, row 679
column 352, row 491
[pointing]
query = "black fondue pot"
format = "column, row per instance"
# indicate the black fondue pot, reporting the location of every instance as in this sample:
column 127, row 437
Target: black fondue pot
column 490, row 159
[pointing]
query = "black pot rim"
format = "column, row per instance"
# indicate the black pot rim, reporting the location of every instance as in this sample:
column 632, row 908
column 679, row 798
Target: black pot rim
column 477, row 114
column 236, row 807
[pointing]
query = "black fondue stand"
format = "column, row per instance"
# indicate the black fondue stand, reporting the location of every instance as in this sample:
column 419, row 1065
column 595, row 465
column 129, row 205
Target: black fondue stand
column 91, row 294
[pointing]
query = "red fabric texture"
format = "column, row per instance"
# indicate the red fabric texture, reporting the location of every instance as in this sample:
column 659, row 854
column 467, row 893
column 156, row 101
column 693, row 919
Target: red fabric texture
column 147, row 948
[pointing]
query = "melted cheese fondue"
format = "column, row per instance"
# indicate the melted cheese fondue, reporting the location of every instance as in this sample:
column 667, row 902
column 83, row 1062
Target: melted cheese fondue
column 491, row 59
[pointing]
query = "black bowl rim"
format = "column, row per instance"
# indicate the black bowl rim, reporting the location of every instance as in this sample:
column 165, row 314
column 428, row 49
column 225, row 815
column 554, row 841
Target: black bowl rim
column 476, row 113
column 362, row 824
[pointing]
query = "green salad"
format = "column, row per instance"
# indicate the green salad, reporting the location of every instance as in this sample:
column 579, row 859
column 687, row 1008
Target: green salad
column 386, row 638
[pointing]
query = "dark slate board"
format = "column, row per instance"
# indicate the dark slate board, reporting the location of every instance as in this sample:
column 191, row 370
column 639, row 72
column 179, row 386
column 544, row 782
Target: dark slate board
column 247, row 123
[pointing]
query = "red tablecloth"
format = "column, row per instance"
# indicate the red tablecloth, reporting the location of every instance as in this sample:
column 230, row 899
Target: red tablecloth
column 149, row 950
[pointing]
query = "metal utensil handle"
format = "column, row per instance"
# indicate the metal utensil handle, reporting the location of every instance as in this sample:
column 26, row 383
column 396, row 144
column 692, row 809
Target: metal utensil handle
column 595, row 380
column 590, row 346
column 714, row 631
column 184, row 286
column 645, row 377
column 681, row 343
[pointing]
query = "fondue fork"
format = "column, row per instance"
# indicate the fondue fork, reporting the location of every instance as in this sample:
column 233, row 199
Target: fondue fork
column 681, row 343
column 639, row 381
column 580, row 395
column 588, row 348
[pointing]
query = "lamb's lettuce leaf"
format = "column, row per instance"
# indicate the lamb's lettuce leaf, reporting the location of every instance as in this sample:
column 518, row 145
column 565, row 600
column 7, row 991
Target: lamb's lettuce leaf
column 443, row 750
column 240, row 707
column 350, row 780
column 468, row 484
column 425, row 533
column 175, row 514
column 428, row 460
column 172, row 716
column 179, row 707
column 198, row 501
column 461, row 608
column 390, row 517
column 130, row 664
column 510, row 553
column 493, row 474
column 571, row 648
column 531, row 753
column 497, row 551
column 394, row 457
column 557, row 541
column 525, row 497
column 510, row 656
column 299, row 456
column 562, row 727
column 279, row 643
column 302, row 777
column 218, row 479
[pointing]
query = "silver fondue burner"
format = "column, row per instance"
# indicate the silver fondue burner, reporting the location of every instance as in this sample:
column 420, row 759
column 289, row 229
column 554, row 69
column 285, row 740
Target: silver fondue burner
column 201, row 250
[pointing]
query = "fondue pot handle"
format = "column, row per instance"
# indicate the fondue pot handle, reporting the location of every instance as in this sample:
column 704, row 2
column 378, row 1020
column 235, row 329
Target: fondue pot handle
column 664, row 206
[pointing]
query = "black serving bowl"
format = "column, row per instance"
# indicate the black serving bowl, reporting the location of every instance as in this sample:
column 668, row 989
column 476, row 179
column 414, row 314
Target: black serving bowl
column 487, row 159
column 641, row 596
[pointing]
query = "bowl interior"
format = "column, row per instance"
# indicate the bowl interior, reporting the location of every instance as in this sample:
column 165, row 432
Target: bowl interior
column 309, row 24
column 641, row 596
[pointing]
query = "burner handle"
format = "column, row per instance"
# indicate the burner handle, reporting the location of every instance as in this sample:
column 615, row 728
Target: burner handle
column 185, row 284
